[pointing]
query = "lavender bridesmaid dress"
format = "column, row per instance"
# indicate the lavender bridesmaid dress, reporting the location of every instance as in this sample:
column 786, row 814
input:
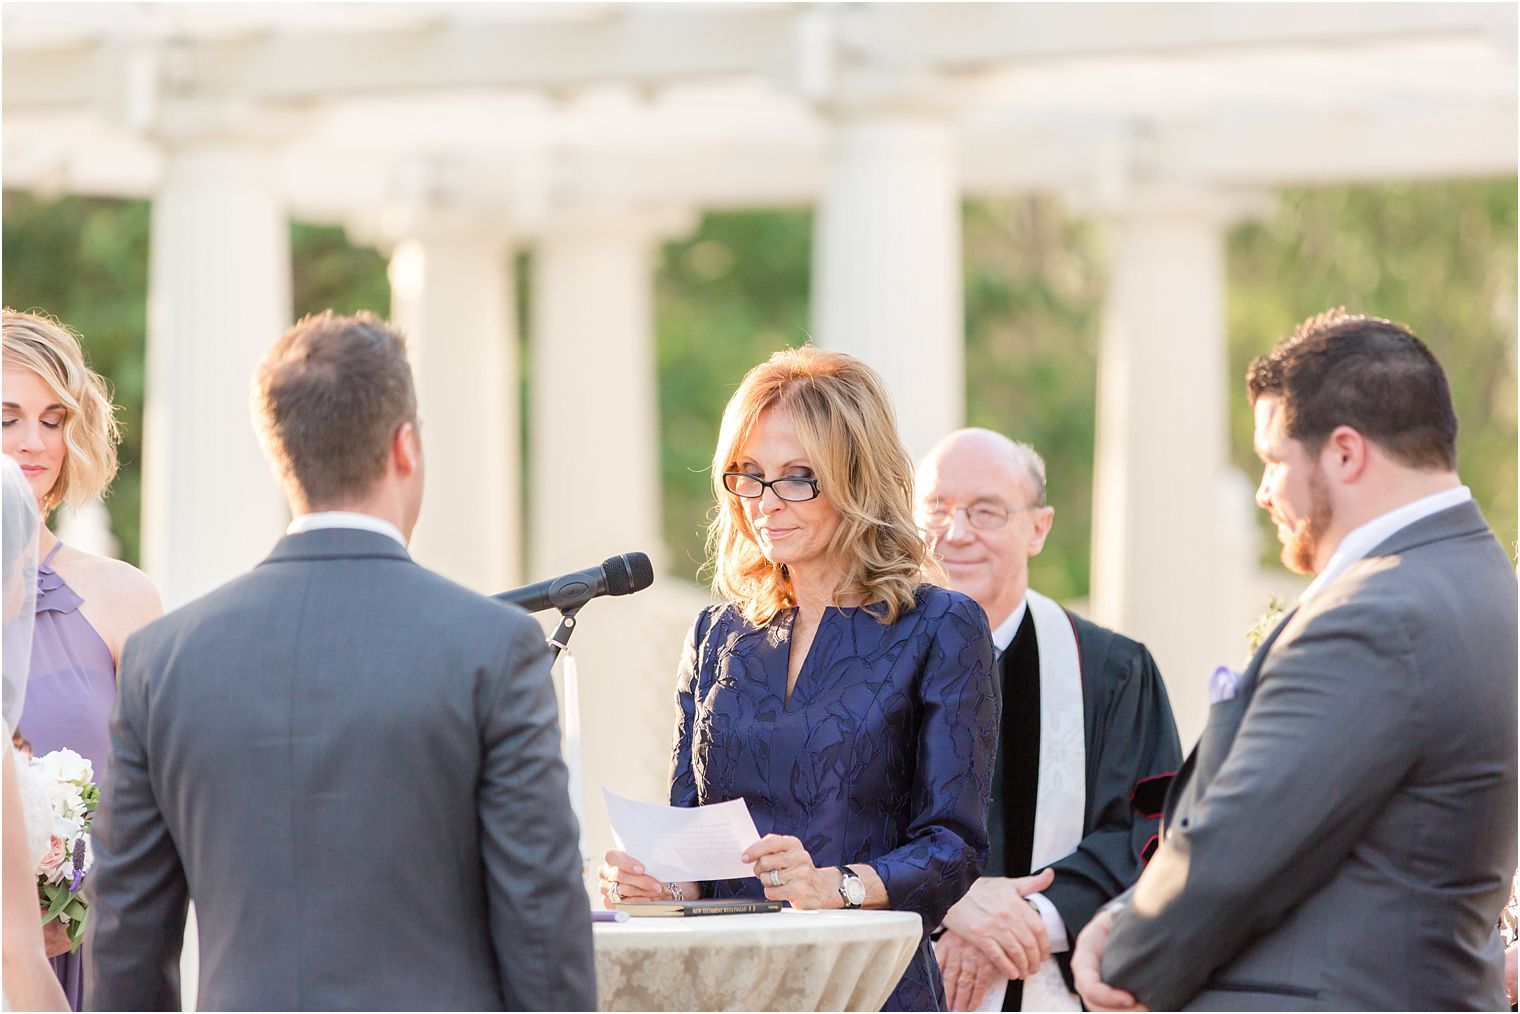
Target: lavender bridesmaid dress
column 69, row 694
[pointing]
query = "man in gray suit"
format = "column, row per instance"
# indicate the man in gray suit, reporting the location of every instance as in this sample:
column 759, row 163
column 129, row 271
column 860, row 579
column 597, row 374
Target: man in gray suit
column 1343, row 835
column 350, row 764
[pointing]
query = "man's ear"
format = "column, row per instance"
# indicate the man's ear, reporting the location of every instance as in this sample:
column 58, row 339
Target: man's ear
column 1344, row 456
column 1043, row 518
column 406, row 449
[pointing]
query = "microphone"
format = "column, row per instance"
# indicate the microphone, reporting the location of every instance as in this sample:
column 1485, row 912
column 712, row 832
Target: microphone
column 617, row 575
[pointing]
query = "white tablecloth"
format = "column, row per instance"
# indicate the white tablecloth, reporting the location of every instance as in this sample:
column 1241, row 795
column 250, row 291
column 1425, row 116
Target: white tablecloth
column 784, row 960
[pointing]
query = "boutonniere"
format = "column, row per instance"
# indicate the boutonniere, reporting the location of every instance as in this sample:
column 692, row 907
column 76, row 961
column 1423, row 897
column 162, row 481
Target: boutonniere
column 1264, row 625
column 1224, row 682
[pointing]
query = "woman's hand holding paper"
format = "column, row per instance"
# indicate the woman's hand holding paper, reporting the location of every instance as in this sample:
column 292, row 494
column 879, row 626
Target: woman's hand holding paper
column 786, row 870
column 622, row 878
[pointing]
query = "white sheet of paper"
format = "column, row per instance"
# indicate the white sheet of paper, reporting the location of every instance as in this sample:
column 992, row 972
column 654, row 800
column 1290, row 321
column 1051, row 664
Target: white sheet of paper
column 683, row 842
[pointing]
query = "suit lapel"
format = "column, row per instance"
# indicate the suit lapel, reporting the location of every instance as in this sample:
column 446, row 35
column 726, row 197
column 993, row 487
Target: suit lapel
column 1253, row 668
column 1247, row 687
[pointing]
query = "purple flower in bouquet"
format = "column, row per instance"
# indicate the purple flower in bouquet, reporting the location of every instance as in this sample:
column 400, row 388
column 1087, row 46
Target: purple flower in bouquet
column 78, row 878
column 68, row 781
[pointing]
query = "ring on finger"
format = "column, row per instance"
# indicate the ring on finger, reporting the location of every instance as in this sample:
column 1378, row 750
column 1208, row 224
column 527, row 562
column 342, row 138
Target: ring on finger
column 775, row 878
column 614, row 892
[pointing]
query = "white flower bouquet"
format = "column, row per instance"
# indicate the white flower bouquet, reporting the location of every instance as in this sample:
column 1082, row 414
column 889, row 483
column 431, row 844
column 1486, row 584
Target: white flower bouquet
column 67, row 778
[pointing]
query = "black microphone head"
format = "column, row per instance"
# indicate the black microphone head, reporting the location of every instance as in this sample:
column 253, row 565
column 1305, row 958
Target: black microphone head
column 628, row 573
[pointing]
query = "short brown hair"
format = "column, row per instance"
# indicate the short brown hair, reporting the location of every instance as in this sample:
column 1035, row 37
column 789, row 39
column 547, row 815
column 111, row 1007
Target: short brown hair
column 49, row 349
column 328, row 397
column 1340, row 369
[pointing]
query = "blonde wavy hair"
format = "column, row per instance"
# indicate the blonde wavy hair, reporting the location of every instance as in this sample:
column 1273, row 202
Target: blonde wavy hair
column 90, row 432
column 845, row 422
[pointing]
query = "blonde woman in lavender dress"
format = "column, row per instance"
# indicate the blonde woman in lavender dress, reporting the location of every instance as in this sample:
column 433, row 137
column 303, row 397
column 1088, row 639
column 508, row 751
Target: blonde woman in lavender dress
column 59, row 426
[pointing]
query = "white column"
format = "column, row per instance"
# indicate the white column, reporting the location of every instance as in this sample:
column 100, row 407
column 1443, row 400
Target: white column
column 219, row 294
column 89, row 529
column 594, row 432
column 452, row 294
column 887, row 282
column 1170, row 563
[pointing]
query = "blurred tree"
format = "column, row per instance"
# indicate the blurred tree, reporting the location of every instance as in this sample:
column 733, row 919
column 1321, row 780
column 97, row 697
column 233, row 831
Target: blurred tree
column 1034, row 289
column 329, row 272
column 1440, row 257
column 85, row 262
column 726, row 298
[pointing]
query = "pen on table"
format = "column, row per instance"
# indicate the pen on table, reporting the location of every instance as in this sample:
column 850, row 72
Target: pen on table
column 615, row 915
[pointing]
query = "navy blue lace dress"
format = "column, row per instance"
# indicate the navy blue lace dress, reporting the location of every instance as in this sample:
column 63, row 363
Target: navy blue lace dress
column 883, row 754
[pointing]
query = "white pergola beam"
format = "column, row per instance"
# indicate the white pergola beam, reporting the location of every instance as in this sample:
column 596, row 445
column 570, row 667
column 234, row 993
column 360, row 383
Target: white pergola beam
column 1268, row 152
column 1469, row 143
column 640, row 47
column 651, row 46
column 975, row 35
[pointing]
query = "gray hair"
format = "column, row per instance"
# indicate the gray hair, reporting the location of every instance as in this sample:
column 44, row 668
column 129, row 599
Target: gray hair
column 1034, row 467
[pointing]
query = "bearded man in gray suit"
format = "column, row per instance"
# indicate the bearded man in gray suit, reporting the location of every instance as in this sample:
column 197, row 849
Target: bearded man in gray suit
column 1343, row 835
column 350, row 764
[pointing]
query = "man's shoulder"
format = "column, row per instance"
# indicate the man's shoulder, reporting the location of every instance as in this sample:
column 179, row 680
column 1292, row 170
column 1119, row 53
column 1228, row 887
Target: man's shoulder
column 413, row 590
column 1422, row 577
column 1107, row 649
column 1429, row 595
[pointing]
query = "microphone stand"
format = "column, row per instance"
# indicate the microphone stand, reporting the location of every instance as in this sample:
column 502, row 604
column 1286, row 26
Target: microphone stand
column 560, row 639
column 559, row 644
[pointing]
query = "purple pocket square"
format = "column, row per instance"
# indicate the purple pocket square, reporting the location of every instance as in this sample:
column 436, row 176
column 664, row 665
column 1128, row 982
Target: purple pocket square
column 1224, row 684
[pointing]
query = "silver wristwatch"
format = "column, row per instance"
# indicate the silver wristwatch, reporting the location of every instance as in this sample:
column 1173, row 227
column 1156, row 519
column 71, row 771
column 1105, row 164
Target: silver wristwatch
column 852, row 889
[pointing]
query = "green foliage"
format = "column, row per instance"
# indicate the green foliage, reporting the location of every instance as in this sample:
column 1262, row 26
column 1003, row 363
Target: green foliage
column 1439, row 258
column 1034, row 288
column 726, row 299
column 85, row 262
column 1267, row 622
column 62, row 905
column 329, row 272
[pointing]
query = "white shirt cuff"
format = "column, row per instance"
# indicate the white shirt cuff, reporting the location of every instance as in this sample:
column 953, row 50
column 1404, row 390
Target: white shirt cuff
column 1055, row 926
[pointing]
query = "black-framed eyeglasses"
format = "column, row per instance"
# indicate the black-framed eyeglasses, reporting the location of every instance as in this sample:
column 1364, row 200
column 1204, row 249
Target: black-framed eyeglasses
column 983, row 517
column 792, row 488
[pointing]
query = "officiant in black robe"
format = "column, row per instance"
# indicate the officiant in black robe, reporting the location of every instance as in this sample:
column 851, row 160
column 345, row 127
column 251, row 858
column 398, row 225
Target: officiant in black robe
column 1087, row 745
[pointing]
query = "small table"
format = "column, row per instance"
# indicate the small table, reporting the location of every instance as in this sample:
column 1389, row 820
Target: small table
column 786, row 960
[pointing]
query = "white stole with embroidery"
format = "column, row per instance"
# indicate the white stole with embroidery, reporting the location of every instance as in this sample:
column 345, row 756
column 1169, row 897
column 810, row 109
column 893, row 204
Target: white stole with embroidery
column 1061, row 797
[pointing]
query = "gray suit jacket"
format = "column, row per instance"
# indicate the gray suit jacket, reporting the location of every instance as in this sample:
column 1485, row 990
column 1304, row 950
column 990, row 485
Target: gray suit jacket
column 1343, row 835
column 352, row 766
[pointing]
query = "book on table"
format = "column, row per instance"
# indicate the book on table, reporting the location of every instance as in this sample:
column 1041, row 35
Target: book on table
column 699, row 906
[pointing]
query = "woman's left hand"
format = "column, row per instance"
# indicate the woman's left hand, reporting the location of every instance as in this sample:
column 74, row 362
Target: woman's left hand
column 786, row 870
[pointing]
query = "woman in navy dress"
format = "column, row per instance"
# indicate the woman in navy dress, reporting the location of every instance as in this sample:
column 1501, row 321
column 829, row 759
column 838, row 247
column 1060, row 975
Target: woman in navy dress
column 850, row 703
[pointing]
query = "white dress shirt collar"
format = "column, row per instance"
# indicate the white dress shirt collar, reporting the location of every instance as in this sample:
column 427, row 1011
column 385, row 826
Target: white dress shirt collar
column 1364, row 539
column 1004, row 633
column 345, row 519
